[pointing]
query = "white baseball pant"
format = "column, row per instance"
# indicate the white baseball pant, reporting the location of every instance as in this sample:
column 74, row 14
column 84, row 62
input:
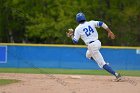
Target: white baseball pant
column 93, row 51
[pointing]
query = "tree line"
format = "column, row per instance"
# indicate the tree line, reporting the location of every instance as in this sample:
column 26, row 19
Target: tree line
column 46, row 21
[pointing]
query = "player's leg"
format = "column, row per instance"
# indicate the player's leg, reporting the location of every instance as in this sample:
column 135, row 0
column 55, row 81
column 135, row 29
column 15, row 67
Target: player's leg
column 102, row 64
column 110, row 70
column 88, row 55
column 96, row 55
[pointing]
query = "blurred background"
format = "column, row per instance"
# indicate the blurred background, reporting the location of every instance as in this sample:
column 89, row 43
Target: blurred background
column 46, row 21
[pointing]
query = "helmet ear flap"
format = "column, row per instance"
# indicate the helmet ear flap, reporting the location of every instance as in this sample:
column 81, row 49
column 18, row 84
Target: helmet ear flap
column 80, row 17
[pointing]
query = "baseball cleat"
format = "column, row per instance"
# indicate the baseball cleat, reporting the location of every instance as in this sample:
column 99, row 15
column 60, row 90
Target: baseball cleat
column 118, row 78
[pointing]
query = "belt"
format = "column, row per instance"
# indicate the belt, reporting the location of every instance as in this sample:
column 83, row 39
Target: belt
column 91, row 42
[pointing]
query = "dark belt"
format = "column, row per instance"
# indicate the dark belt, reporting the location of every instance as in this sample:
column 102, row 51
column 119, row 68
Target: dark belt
column 91, row 42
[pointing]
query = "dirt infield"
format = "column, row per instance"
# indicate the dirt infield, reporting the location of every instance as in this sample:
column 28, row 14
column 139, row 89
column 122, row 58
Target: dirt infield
column 48, row 83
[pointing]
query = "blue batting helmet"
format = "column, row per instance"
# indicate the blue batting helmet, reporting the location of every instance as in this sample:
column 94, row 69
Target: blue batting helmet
column 80, row 17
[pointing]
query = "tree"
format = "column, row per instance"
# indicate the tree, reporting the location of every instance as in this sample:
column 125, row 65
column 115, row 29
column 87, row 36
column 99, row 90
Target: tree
column 46, row 21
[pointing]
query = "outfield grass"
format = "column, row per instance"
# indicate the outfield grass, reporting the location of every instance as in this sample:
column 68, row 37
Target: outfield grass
column 66, row 71
column 7, row 81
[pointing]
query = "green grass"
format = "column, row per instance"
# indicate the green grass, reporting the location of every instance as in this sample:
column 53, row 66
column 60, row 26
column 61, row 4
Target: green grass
column 66, row 71
column 7, row 81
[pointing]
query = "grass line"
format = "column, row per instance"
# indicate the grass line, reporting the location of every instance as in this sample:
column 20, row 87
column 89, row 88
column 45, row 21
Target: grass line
column 66, row 71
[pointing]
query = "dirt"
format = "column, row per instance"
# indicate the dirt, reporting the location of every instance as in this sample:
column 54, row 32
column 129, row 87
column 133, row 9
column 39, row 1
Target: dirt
column 50, row 83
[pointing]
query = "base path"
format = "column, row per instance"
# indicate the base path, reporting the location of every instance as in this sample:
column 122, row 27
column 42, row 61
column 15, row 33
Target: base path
column 55, row 83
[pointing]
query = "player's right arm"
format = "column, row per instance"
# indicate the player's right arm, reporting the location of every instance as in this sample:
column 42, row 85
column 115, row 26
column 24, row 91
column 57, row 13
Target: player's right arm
column 103, row 25
column 110, row 33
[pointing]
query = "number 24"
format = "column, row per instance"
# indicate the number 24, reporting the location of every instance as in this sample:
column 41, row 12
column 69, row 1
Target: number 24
column 88, row 30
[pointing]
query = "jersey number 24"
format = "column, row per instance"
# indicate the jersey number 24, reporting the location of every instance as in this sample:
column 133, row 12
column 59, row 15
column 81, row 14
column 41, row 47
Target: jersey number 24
column 88, row 30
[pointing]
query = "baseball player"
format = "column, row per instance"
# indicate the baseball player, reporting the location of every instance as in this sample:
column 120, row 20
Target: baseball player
column 86, row 30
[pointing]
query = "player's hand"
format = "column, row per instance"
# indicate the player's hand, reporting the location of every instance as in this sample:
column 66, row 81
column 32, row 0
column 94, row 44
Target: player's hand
column 70, row 32
column 111, row 35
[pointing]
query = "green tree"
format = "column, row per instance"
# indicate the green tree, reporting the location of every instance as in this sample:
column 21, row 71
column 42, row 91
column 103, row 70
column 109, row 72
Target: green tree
column 46, row 21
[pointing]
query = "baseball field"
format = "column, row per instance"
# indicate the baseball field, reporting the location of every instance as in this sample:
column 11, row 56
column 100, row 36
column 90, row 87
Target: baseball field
column 62, row 46
column 27, row 70
column 43, row 80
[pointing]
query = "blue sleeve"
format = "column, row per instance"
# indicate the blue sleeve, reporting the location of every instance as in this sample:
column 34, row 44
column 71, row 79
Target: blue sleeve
column 74, row 41
column 100, row 23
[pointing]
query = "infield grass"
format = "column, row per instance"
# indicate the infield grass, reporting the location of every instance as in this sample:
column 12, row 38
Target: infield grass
column 66, row 71
column 8, row 81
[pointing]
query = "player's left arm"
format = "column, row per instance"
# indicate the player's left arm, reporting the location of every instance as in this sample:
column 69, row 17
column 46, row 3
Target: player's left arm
column 73, row 35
